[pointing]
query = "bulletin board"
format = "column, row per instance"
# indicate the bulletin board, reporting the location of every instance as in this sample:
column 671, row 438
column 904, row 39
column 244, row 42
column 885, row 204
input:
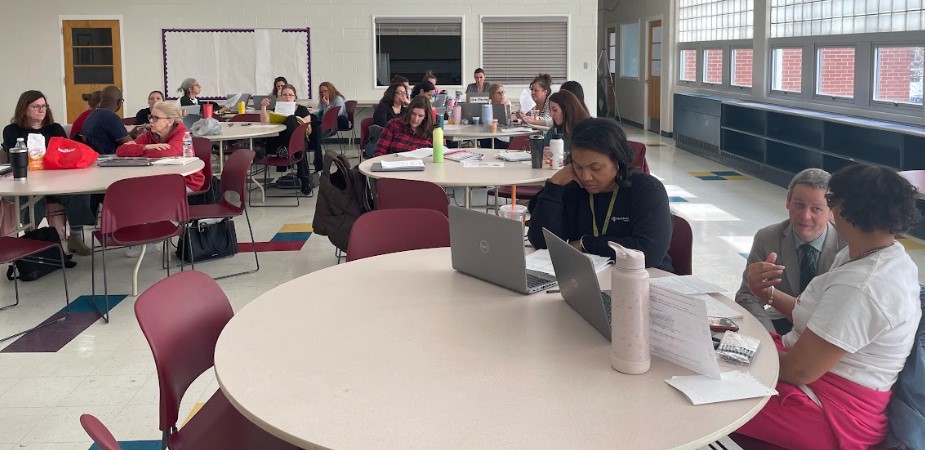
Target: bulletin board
column 226, row 61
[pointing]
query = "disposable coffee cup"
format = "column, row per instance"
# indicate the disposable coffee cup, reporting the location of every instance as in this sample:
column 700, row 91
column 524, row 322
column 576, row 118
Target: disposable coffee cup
column 513, row 212
column 476, row 120
column 19, row 161
column 536, row 152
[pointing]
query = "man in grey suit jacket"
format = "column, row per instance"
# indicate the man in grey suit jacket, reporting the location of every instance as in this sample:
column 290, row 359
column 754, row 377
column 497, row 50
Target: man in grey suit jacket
column 809, row 223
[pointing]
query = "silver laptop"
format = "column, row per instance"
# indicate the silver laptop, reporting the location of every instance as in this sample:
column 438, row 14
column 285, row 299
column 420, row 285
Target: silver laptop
column 258, row 99
column 192, row 109
column 491, row 248
column 439, row 100
column 470, row 110
column 578, row 283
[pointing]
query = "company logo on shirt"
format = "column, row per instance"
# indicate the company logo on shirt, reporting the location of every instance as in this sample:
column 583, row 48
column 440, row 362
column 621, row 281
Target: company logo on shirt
column 619, row 219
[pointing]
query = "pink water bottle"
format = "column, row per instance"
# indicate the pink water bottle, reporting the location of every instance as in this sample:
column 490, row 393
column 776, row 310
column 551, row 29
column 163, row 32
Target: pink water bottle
column 629, row 328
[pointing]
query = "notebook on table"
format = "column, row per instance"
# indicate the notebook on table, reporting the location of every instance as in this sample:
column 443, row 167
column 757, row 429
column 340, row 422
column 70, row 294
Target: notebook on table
column 578, row 283
column 491, row 248
column 124, row 162
column 413, row 165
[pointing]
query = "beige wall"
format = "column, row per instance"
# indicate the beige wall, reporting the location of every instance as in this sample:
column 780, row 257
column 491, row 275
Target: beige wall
column 340, row 33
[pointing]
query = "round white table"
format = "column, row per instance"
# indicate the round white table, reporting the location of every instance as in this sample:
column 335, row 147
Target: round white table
column 417, row 355
column 243, row 130
column 454, row 174
column 472, row 132
column 93, row 179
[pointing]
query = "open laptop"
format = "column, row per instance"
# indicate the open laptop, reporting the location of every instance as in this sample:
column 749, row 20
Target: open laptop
column 192, row 109
column 439, row 100
column 578, row 283
column 491, row 248
column 231, row 100
column 258, row 100
column 470, row 110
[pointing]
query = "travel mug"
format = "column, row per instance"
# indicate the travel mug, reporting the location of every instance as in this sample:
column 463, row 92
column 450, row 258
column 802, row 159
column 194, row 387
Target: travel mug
column 536, row 151
column 19, row 161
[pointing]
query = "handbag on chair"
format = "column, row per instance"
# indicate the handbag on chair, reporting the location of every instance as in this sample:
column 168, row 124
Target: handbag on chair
column 210, row 240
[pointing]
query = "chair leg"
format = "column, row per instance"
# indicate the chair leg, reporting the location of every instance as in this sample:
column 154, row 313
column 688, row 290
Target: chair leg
column 103, row 314
column 67, row 300
column 250, row 229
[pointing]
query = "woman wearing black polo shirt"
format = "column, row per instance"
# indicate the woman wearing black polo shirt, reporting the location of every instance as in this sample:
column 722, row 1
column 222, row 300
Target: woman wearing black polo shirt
column 600, row 198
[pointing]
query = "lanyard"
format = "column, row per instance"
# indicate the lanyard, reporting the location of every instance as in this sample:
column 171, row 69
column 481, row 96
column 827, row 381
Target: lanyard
column 613, row 198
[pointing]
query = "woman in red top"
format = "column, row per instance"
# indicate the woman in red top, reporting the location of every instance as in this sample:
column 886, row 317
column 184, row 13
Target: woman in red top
column 93, row 101
column 165, row 139
column 413, row 130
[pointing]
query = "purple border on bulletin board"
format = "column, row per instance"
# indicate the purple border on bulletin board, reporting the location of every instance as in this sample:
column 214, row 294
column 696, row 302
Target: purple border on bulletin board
column 308, row 40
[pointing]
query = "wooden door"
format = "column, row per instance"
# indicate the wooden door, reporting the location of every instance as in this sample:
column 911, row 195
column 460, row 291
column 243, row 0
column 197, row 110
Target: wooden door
column 92, row 61
column 654, row 75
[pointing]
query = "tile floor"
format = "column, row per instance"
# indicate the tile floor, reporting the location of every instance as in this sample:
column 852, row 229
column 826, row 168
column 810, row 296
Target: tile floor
column 108, row 370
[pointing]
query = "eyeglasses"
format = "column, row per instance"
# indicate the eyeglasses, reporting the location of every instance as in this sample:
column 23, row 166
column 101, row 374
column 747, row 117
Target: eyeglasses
column 153, row 118
column 39, row 107
column 830, row 199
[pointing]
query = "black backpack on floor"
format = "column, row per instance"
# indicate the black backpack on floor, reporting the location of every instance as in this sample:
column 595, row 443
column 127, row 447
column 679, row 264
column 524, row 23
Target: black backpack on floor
column 32, row 270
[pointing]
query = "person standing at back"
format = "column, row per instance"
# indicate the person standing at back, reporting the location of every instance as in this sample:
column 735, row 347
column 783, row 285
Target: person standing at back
column 806, row 244
column 480, row 86
column 103, row 130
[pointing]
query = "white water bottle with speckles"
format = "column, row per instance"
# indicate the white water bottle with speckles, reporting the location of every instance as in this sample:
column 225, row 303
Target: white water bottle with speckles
column 629, row 328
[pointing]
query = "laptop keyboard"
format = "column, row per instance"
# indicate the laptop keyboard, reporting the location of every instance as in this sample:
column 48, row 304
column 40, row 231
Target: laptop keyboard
column 535, row 281
column 606, row 297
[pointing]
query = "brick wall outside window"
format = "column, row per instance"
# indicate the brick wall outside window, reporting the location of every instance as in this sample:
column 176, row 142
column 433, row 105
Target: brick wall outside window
column 713, row 66
column 836, row 72
column 689, row 65
column 742, row 67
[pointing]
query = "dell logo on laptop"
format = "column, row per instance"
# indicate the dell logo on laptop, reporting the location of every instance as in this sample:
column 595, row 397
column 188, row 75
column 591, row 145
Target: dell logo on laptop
column 483, row 246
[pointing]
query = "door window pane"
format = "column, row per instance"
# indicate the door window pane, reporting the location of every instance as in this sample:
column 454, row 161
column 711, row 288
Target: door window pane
column 741, row 67
column 787, row 69
column 93, row 56
column 835, row 72
column 93, row 75
column 688, row 65
column 713, row 66
column 91, row 36
column 898, row 74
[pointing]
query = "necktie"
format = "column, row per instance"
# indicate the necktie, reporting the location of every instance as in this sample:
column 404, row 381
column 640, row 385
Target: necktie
column 808, row 265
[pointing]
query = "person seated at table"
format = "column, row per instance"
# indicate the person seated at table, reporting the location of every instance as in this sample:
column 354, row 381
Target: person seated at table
column 540, row 89
column 567, row 112
column 853, row 326
column 93, row 102
column 33, row 116
column 413, row 130
column 425, row 88
column 329, row 97
column 575, row 88
column 391, row 106
column 806, row 243
column 403, row 81
column 599, row 197
column 103, row 130
column 163, row 140
column 141, row 117
column 480, row 86
column 279, row 145
column 431, row 77
column 190, row 88
column 496, row 95
column 278, row 84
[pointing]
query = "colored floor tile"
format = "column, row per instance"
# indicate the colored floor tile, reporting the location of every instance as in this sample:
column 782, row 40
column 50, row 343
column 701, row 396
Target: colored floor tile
column 677, row 200
column 296, row 228
column 134, row 445
column 291, row 236
column 53, row 337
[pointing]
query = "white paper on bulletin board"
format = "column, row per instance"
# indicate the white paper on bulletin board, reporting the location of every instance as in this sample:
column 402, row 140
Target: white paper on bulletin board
column 226, row 61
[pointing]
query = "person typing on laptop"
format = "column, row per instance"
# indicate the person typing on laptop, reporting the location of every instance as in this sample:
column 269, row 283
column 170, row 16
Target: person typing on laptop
column 599, row 197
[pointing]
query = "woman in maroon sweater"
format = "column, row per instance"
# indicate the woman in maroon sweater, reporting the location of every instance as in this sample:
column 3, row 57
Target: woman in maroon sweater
column 165, row 139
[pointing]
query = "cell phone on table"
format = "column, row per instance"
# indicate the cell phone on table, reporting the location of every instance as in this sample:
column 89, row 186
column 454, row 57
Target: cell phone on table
column 722, row 324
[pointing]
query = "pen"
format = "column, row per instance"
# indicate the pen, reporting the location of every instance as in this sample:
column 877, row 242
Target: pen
column 552, row 291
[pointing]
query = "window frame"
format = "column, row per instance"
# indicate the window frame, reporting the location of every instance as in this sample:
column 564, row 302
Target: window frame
column 732, row 51
column 680, row 65
column 906, row 108
column 723, row 78
column 817, row 74
column 638, row 50
column 412, row 18
column 804, row 72
column 532, row 18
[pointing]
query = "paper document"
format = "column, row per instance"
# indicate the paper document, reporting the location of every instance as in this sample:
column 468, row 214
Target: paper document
column 540, row 261
column 677, row 332
column 178, row 161
column 733, row 385
column 513, row 155
column 398, row 164
column 716, row 307
column 474, row 164
column 419, row 153
column 526, row 101
column 285, row 108
column 232, row 101
column 463, row 155
column 686, row 284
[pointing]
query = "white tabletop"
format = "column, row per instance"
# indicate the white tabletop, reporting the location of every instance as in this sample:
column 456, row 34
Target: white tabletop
column 89, row 180
column 453, row 174
column 246, row 130
column 481, row 132
column 420, row 356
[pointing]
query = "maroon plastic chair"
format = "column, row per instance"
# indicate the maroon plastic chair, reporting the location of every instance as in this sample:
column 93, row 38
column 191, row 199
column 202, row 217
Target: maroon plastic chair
column 15, row 249
column 234, row 186
column 350, row 107
column 396, row 230
column 681, row 247
column 296, row 151
column 639, row 157
column 128, row 121
column 101, row 435
column 138, row 211
column 519, row 143
column 394, row 193
column 523, row 192
column 328, row 125
column 183, row 345
column 203, row 149
column 364, row 135
column 248, row 117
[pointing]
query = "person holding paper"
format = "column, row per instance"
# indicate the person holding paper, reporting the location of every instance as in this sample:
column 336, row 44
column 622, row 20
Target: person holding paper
column 853, row 326
column 540, row 89
column 566, row 112
column 598, row 197
column 279, row 145
column 413, row 130
column 33, row 116
column 163, row 140
column 392, row 104
column 480, row 86
column 806, row 243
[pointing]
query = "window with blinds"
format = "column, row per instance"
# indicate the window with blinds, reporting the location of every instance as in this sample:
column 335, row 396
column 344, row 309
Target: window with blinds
column 516, row 49
column 715, row 20
column 410, row 46
column 791, row 18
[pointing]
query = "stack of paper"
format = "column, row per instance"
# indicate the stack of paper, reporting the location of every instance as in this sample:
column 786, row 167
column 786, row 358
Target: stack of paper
column 540, row 261
column 733, row 385
column 481, row 164
column 178, row 161
column 401, row 164
column 419, row 153
column 463, row 155
column 513, row 155
column 694, row 287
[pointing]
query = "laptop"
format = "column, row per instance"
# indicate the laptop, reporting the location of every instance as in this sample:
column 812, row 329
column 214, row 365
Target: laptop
column 192, row 109
column 258, row 100
column 477, row 97
column 578, row 283
column 124, row 162
column 470, row 110
column 190, row 119
column 502, row 113
column 231, row 100
column 491, row 248
column 439, row 100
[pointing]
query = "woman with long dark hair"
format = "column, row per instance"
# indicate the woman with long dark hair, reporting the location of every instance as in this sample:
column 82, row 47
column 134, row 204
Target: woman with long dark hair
column 411, row 131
